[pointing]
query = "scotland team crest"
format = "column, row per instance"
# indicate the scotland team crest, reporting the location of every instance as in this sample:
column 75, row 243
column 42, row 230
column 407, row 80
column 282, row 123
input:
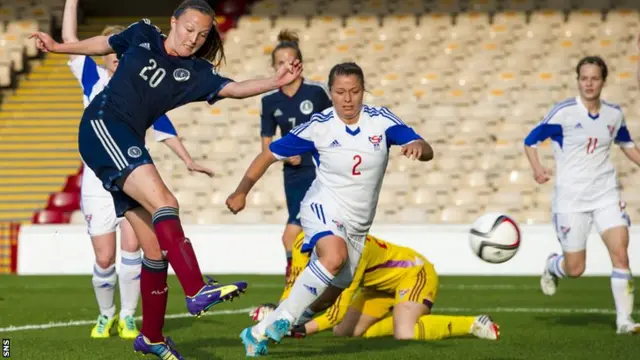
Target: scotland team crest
column 375, row 140
column 306, row 107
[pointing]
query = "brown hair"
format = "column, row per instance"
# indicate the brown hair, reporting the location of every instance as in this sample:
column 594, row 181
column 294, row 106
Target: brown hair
column 212, row 49
column 287, row 39
column 112, row 29
column 593, row 60
column 346, row 69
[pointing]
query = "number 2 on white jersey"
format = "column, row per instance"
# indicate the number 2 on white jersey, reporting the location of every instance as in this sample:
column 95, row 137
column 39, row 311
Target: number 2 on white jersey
column 355, row 171
column 156, row 77
column 591, row 145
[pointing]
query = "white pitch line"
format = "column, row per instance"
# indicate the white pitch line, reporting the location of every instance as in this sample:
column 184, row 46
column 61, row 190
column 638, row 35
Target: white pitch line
column 437, row 310
column 50, row 325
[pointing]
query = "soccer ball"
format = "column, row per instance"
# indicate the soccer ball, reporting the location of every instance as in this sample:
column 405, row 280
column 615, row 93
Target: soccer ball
column 261, row 312
column 494, row 238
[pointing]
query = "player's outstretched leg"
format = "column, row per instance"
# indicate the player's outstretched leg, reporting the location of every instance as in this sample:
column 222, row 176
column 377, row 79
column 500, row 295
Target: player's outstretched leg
column 484, row 328
column 200, row 297
column 553, row 270
column 165, row 349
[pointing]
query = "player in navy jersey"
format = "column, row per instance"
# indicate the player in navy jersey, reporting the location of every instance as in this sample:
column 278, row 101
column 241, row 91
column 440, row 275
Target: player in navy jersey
column 286, row 108
column 157, row 73
column 97, row 204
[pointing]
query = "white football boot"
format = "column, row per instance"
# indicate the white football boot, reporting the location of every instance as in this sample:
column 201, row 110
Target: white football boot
column 484, row 328
column 548, row 281
column 628, row 329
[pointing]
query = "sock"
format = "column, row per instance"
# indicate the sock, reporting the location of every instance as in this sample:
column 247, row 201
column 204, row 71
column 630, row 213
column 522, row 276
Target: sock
column 154, row 289
column 104, row 286
column 178, row 249
column 622, row 289
column 428, row 327
column 129, row 281
column 306, row 316
column 311, row 283
column 555, row 265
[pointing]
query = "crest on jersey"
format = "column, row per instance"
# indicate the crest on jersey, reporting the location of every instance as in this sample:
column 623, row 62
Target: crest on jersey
column 181, row 75
column 338, row 224
column 88, row 218
column 134, row 152
column 612, row 129
column 375, row 140
column 306, row 107
column 402, row 293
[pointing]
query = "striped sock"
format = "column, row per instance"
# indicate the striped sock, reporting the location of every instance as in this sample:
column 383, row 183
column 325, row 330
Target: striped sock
column 622, row 289
column 555, row 265
column 154, row 289
column 179, row 251
column 129, row 281
column 104, row 286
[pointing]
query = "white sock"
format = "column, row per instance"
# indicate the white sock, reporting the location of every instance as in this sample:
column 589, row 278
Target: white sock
column 554, row 265
column 104, row 285
column 622, row 289
column 311, row 283
column 129, row 279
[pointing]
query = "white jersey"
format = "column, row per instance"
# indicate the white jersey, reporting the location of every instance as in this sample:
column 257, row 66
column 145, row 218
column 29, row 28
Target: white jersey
column 586, row 179
column 350, row 159
column 93, row 79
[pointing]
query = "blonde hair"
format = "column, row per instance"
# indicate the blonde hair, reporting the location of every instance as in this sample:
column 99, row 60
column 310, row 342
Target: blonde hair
column 112, row 29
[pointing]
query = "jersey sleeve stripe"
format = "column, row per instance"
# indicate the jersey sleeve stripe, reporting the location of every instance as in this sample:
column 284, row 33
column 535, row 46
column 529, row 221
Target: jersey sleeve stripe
column 320, row 117
column 557, row 108
column 617, row 107
column 90, row 75
column 388, row 114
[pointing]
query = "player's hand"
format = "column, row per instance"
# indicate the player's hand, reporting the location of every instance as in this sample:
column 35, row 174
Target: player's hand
column 236, row 202
column 298, row 331
column 192, row 166
column 288, row 72
column 294, row 160
column 412, row 150
column 542, row 175
column 44, row 41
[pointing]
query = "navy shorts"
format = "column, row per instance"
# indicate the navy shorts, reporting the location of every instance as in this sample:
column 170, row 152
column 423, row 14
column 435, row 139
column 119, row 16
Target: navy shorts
column 112, row 150
column 295, row 188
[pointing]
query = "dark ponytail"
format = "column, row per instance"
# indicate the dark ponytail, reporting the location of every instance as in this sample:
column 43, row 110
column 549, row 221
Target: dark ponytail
column 212, row 49
column 287, row 39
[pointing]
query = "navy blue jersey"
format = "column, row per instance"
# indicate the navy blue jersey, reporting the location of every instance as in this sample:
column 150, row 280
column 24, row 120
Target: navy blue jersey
column 284, row 112
column 149, row 82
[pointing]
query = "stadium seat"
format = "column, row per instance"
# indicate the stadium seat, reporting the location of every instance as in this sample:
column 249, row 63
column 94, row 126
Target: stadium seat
column 73, row 183
column 77, row 218
column 64, row 201
column 51, row 217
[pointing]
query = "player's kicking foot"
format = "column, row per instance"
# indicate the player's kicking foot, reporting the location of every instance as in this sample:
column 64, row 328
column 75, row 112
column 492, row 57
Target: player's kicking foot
column 252, row 346
column 278, row 330
column 628, row 329
column 484, row 328
column 102, row 329
column 127, row 328
column 165, row 350
column 548, row 281
column 213, row 293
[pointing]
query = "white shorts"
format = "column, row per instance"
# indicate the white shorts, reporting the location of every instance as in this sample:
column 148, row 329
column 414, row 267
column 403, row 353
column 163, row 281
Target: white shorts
column 572, row 229
column 97, row 205
column 322, row 219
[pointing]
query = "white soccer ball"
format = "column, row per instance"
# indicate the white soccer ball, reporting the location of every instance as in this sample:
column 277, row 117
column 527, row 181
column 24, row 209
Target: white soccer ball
column 494, row 238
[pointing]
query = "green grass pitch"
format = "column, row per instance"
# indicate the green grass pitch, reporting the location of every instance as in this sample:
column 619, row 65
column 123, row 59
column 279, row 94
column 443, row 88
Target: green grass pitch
column 577, row 323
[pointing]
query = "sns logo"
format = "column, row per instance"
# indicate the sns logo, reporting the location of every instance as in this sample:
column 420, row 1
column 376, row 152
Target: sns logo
column 375, row 140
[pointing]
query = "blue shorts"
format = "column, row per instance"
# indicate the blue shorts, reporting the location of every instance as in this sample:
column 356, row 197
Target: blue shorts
column 295, row 189
column 112, row 150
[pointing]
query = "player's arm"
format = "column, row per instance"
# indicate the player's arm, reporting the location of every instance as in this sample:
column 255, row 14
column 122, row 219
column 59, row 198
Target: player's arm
column 413, row 146
column 268, row 125
column 70, row 23
column 296, row 142
column 629, row 148
column 549, row 127
column 166, row 133
column 286, row 74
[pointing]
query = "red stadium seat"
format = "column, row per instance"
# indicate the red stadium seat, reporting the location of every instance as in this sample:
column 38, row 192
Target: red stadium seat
column 231, row 8
column 64, row 201
column 51, row 217
column 73, row 183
